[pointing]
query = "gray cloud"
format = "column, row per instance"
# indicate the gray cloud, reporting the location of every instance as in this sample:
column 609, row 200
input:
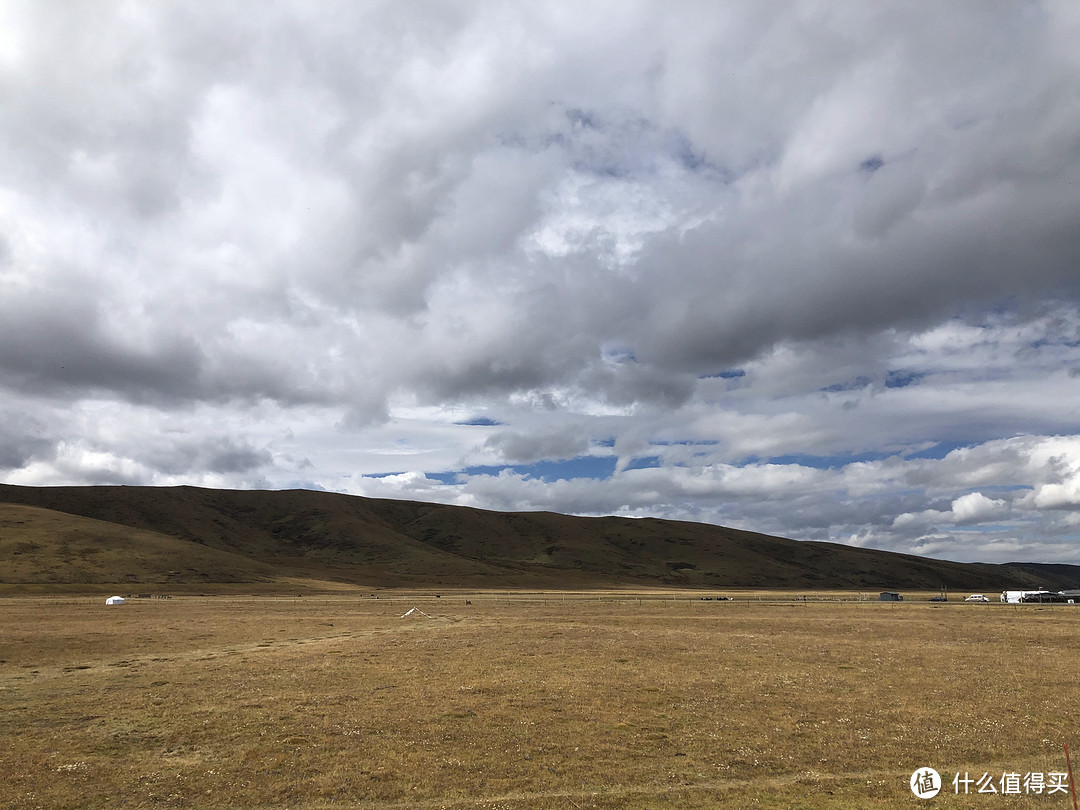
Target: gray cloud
column 23, row 437
column 517, row 447
column 358, row 224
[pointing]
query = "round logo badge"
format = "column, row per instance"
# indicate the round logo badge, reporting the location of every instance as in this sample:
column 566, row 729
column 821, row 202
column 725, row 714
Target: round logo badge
column 925, row 783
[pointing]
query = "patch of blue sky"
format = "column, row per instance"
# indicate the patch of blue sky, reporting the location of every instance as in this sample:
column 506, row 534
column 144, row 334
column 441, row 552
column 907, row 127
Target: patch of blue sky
column 591, row 467
column 937, row 451
column 727, row 374
column 983, row 528
column 644, row 463
column 902, row 378
column 990, row 489
column 442, row 477
column 848, row 385
column 684, row 442
column 835, row 462
column 479, row 421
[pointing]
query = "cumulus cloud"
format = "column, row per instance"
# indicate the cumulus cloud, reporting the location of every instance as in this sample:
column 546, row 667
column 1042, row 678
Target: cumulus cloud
column 967, row 509
column 775, row 249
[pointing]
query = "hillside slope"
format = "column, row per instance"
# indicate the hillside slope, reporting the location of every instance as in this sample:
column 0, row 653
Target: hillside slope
column 388, row 542
column 42, row 546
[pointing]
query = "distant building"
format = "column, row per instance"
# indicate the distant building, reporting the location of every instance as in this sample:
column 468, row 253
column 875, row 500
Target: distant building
column 1044, row 596
column 890, row 596
column 1021, row 597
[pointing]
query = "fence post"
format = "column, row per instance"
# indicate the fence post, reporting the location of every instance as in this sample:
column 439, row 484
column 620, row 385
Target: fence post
column 1072, row 785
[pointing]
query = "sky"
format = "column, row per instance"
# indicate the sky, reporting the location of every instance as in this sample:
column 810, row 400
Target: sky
column 804, row 268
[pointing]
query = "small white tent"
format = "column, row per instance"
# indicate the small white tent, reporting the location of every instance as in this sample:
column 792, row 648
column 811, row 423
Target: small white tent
column 114, row 600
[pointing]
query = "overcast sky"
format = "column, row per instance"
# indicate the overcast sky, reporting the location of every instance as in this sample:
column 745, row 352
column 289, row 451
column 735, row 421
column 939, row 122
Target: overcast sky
column 804, row 268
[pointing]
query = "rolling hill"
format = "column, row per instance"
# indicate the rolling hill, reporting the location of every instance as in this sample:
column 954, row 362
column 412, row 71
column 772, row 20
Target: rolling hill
column 54, row 535
column 41, row 545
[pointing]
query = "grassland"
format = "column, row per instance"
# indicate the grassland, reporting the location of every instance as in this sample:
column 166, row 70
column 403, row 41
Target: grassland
column 39, row 546
column 515, row 700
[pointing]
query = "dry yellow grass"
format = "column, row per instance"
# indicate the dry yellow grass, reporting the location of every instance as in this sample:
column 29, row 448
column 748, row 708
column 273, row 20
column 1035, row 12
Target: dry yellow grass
column 608, row 700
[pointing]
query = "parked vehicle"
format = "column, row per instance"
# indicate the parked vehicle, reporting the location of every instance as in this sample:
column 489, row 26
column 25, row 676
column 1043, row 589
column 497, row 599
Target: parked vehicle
column 976, row 597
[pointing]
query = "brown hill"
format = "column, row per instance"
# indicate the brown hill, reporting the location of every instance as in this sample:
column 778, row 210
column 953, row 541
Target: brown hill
column 43, row 546
column 201, row 535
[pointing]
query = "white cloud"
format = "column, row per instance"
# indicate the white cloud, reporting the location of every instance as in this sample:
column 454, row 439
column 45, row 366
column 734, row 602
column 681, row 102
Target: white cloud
column 296, row 246
column 967, row 509
column 976, row 508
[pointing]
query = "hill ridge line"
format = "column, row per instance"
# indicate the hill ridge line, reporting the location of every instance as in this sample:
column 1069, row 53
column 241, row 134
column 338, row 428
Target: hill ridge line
column 384, row 542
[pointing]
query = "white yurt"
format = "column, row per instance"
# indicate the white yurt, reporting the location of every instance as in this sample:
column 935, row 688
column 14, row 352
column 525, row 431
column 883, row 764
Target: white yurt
column 114, row 600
